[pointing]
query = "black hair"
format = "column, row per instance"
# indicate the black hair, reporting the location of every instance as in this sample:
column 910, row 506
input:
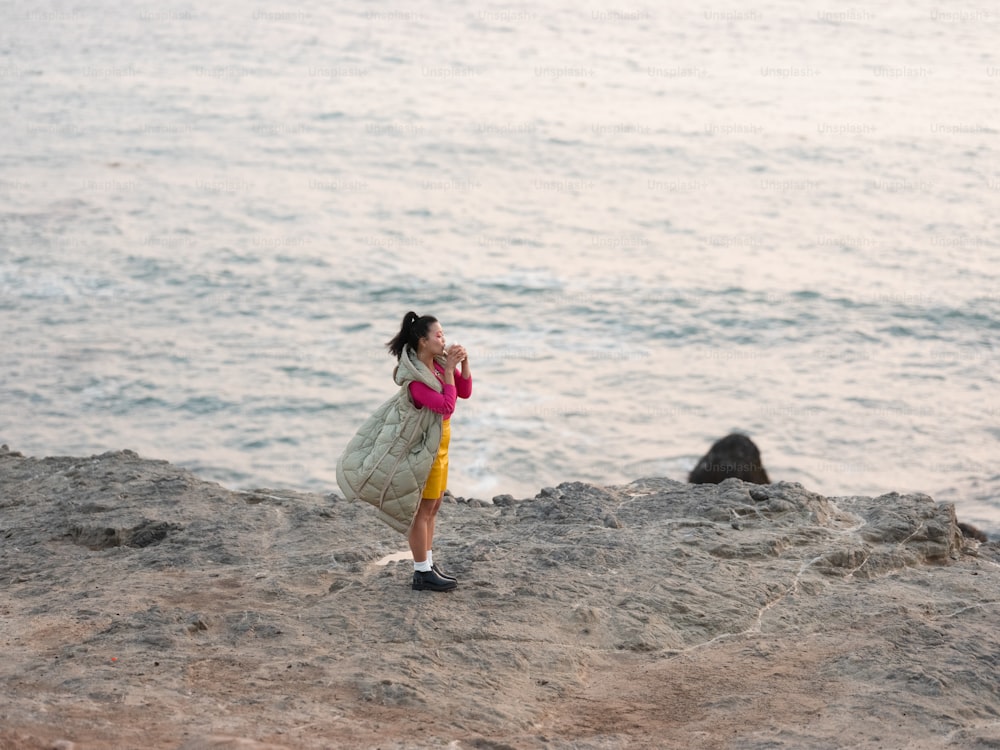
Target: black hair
column 414, row 328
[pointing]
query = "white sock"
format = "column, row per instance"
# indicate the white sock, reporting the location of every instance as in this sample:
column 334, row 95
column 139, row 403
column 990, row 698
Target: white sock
column 430, row 558
column 422, row 567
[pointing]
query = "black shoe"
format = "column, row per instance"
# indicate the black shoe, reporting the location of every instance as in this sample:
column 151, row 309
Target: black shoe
column 430, row 581
column 442, row 574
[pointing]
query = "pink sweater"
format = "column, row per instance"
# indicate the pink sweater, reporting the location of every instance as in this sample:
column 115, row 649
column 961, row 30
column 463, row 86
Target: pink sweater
column 443, row 403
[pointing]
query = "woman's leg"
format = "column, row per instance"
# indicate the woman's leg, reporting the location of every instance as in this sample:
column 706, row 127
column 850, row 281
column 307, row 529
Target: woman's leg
column 432, row 516
column 430, row 538
column 421, row 533
column 422, row 529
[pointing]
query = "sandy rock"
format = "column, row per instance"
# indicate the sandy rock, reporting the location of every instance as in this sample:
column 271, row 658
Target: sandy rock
column 228, row 743
column 143, row 607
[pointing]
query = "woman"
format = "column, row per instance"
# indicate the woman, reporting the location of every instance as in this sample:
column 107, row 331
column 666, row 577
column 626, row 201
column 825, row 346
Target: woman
column 421, row 337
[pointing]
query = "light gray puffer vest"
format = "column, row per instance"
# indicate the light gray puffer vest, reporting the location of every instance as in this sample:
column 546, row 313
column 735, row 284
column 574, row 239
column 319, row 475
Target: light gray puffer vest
column 389, row 459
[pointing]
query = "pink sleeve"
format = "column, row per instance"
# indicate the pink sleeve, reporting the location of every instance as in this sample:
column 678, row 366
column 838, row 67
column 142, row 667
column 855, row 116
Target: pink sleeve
column 426, row 397
column 463, row 386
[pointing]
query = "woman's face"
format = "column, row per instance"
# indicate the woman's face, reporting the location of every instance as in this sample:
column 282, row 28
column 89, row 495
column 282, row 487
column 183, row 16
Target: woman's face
column 434, row 340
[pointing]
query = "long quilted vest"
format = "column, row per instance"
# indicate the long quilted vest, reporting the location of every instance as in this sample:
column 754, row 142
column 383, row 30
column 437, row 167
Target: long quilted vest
column 389, row 459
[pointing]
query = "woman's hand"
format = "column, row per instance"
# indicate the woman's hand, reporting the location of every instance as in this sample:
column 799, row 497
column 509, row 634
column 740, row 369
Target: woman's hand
column 454, row 354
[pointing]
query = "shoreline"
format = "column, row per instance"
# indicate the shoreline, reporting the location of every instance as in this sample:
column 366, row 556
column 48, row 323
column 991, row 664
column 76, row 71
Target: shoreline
column 970, row 506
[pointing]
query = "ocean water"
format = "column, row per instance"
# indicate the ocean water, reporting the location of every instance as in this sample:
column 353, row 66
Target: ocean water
column 650, row 224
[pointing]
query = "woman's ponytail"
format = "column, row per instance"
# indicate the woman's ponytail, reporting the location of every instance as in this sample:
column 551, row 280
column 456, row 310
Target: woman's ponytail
column 413, row 328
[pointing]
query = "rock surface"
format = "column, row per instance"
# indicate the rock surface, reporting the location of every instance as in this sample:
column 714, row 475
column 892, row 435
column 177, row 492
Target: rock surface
column 141, row 607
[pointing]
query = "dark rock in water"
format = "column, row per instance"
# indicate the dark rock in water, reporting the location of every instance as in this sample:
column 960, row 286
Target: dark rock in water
column 734, row 456
column 971, row 532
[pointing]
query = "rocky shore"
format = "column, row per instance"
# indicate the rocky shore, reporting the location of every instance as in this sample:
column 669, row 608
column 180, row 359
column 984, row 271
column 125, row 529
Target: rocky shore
column 141, row 607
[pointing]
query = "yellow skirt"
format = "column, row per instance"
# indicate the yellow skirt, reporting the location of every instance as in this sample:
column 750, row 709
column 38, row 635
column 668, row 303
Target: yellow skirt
column 437, row 481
